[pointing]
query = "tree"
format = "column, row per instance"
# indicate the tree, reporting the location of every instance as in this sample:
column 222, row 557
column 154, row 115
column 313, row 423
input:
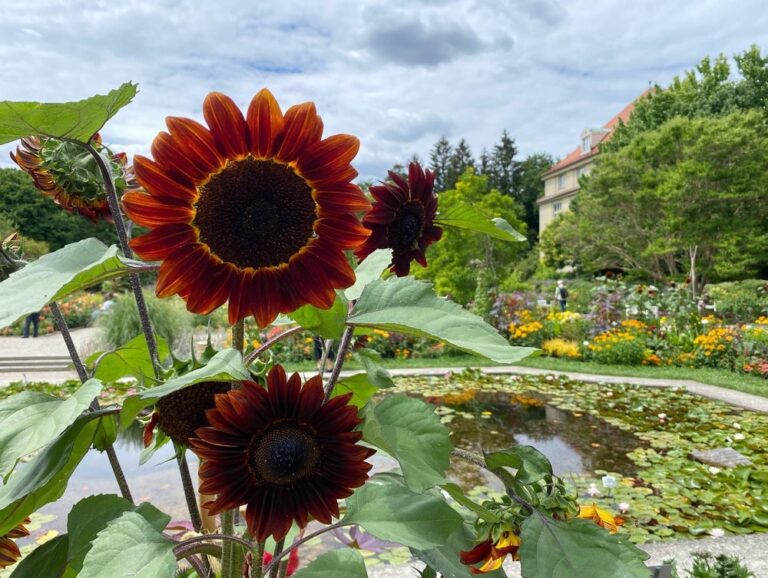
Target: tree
column 455, row 260
column 683, row 199
column 38, row 217
column 708, row 90
column 460, row 160
column 440, row 161
column 503, row 166
column 529, row 187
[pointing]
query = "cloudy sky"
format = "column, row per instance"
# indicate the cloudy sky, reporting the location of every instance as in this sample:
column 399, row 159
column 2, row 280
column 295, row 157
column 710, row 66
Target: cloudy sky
column 396, row 73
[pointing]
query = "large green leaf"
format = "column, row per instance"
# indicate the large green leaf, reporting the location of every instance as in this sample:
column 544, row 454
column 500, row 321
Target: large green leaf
column 530, row 463
column 67, row 120
column 46, row 561
column 369, row 270
column 131, row 359
column 457, row 493
column 409, row 306
column 129, row 546
column 91, row 515
column 377, row 375
column 470, row 218
column 577, row 549
column 44, row 478
column 56, row 275
column 359, row 386
column 226, row 365
column 31, row 420
column 327, row 323
column 445, row 559
column 340, row 563
column 389, row 510
column 409, row 430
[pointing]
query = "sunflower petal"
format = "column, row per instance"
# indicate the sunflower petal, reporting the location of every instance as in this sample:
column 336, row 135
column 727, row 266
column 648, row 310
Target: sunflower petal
column 146, row 210
column 156, row 182
column 164, row 240
column 265, row 121
column 196, row 141
column 302, row 128
column 182, row 268
column 227, row 125
column 329, row 156
column 174, row 160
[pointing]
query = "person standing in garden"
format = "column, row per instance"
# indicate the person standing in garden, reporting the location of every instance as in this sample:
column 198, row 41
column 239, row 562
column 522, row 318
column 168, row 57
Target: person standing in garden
column 561, row 295
column 34, row 320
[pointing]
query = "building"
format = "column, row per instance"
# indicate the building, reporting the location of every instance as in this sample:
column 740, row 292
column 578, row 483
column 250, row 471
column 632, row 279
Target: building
column 561, row 182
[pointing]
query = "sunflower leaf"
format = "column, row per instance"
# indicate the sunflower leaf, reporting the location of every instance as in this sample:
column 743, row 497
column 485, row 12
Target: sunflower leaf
column 467, row 217
column 327, row 323
column 377, row 375
column 58, row 274
column 50, row 559
column 530, row 463
column 577, row 549
column 409, row 430
column 369, row 270
column 409, row 306
column 339, row 563
column 78, row 120
column 359, row 385
column 386, row 508
column 31, row 420
column 130, row 359
column 133, row 545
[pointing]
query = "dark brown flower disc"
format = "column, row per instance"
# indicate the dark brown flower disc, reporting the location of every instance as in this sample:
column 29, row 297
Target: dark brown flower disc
column 182, row 412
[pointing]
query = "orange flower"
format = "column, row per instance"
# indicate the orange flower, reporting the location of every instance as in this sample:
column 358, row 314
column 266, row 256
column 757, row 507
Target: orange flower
column 256, row 210
column 600, row 517
column 9, row 551
column 491, row 556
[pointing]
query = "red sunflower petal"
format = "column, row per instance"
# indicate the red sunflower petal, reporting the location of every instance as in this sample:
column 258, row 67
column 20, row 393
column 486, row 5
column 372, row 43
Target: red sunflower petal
column 302, row 128
column 241, row 288
column 311, row 282
column 197, row 141
column 182, row 269
column 346, row 198
column 227, row 124
column 328, row 157
column 172, row 158
column 154, row 179
column 164, row 240
column 148, row 211
column 267, row 291
column 215, row 292
column 343, row 230
column 265, row 121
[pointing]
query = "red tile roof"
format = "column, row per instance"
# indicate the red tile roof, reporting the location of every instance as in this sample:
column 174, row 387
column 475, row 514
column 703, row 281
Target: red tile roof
column 576, row 155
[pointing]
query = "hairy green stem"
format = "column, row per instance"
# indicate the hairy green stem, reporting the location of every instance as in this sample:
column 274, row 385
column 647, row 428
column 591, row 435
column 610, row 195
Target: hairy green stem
column 61, row 325
column 275, row 555
column 257, row 565
column 189, row 491
column 346, row 340
column 283, row 572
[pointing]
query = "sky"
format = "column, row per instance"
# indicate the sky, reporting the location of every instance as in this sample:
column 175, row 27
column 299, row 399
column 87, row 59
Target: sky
column 397, row 74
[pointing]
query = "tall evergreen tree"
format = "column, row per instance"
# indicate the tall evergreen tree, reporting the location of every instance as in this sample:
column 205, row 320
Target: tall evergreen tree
column 529, row 187
column 440, row 161
column 504, row 167
column 484, row 165
column 460, row 161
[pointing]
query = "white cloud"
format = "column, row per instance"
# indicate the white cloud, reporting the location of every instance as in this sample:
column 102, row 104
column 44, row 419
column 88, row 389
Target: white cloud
column 396, row 73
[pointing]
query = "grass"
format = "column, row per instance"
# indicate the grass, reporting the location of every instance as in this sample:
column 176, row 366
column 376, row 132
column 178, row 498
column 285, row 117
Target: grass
column 718, row 377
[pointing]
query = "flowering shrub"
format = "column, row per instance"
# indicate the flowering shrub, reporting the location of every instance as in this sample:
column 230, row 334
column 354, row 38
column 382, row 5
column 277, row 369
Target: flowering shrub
column 621, row 346
column 716, row 347
column 526, row 330
column 561, row 348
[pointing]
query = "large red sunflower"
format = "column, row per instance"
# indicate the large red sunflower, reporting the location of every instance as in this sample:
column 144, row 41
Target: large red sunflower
column 281, row 451
column 9, row 551
column 254, row 210
column 68, row 174
column 402, row 219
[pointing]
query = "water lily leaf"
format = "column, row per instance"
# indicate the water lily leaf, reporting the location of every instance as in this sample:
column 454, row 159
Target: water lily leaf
column 386, row 508
column 462, row 216
column 131, row 544
column 31, row 420
column 369, row 270
column 340, row 563
column 409, row 430
column 78, row 120
column 577, row 549
column 44, row 478
column 409, row 306
column 58, row 274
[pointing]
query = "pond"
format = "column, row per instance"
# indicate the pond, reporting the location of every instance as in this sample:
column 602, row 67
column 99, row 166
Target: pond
column 477, row 421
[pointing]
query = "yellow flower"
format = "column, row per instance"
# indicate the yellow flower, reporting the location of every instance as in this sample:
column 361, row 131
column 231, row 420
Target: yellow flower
column 600, row 517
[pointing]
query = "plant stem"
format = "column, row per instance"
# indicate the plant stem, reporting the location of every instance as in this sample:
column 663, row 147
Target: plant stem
column 61, row 325
column 257, row 565
column 471, row 457
column 122, row 236
column 327, row 345
column 275, row 556
column 223, row 537
column 283, row 572
column 346, row 340
column 253, row 355
column 189, row 491
column 307, row 538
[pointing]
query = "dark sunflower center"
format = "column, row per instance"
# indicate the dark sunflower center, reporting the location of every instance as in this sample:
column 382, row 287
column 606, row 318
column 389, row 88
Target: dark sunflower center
column 255, row 213
column 284, row 455
column 407, row 226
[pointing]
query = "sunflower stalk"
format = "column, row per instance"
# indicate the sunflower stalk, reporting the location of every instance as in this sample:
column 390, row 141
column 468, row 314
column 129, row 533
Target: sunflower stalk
column 346, row 340
column 276, row 559
column 276, row 565
column 283, row 572
column 189, row 491
column 257, row 565
column 122, row 235
column 254, row 355
column 82, row 372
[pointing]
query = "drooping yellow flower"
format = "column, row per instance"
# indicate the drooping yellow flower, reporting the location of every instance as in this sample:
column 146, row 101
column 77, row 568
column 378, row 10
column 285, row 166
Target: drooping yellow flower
column 601, row 517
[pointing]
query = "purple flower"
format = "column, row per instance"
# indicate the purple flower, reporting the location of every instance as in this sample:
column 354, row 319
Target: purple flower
column 358, row 539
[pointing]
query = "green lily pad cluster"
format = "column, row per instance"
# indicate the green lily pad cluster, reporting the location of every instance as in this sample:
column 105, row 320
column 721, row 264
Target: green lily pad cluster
column 669, row 495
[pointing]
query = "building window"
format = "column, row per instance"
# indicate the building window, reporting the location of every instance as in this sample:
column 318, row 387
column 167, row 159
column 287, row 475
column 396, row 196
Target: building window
column 582, row 171
column 557, row 208
column 561, row 181
column 586, row 143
